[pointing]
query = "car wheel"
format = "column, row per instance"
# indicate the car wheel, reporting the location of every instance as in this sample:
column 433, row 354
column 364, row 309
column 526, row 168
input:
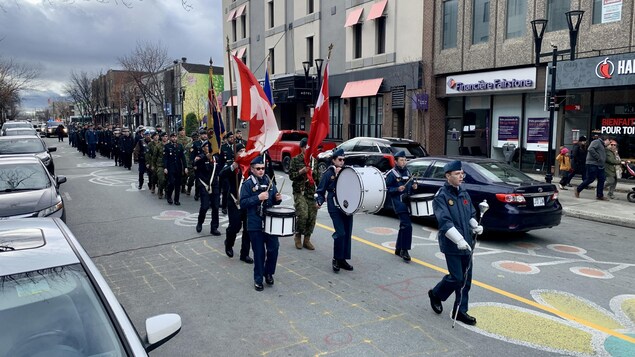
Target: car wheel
column 286, row 163
column 322, row 167
column 630, row 197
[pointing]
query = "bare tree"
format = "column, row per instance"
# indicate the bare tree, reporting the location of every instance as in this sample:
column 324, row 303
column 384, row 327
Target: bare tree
column 81, row 90
column 147, row 66
column 14, row 78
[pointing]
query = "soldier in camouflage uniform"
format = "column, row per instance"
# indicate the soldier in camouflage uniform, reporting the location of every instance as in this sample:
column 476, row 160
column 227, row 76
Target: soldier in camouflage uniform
column 152, row 174
column 157, row 163
column 303, row 196
column 184, row 140
column 189, row 148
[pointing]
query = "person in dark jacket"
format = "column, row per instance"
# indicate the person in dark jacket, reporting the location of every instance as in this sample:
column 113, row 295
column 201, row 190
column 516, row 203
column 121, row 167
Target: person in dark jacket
column 60, row 133
column 578, row 160
column 139, row 153
column 91, row 141
column 126, row 145
column 400, row 188
column 595, row 161
column 207, row 168
column 455, row 214
column 256, row 195
column 173, row 167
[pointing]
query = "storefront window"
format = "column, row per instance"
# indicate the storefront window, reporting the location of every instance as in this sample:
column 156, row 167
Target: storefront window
column 614, row 115
column 335, row 120
column 368, row 117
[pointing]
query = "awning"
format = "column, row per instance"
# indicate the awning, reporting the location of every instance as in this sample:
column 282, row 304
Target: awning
column 231, row 15
column 377, row 10
column 232, row 102
column 353, row 17
column 241, row 11
column 241, row 52
column 366, row 88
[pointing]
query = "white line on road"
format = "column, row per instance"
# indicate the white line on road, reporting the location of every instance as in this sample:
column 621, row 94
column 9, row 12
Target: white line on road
column 68, row 196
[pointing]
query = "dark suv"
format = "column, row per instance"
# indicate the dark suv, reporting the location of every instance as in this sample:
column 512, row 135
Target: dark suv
column 377, row 152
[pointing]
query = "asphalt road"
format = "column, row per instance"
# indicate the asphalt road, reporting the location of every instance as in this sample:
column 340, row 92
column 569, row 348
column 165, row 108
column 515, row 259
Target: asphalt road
column 567, row 290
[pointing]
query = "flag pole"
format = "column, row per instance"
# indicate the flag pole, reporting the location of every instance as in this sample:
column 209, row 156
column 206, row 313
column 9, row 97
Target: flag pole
column 232, row 122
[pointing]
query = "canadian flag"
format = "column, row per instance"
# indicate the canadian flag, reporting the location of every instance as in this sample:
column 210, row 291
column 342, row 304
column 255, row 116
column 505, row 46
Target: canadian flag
column 319, row 124
column 254, row 107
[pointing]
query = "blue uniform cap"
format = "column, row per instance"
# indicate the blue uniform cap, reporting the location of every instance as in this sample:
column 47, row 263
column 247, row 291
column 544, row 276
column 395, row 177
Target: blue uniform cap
column 452, row 166
column 401, row 153
column 257, row 160
column 337, row 153
column 303, row 142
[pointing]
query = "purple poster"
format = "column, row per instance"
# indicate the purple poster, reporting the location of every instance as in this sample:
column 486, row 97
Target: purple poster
column 537, row 130
column 508, row 128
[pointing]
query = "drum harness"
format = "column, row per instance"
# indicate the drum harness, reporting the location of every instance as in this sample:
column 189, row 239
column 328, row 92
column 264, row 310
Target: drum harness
column 399, row 177
column 208, row 188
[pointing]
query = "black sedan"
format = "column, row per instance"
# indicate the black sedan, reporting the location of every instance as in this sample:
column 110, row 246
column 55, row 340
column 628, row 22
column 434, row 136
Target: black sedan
column 517, row 202
column 28, row 146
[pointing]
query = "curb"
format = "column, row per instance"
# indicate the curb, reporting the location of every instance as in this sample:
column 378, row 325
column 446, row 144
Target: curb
column 598, row 217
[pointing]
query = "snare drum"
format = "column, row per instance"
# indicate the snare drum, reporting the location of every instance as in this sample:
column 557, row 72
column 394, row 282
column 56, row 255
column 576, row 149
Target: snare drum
column 421, row 205
column 280, row 221
column 360, row 190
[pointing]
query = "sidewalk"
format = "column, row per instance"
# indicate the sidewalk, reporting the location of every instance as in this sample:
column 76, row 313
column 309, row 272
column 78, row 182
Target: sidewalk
column 618, row 211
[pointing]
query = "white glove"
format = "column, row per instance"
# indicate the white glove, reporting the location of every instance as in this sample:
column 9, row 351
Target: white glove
column 456, row 237
column 476, row 228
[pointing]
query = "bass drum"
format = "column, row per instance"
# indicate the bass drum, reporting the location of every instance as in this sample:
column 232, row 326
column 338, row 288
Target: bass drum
column 360, row 190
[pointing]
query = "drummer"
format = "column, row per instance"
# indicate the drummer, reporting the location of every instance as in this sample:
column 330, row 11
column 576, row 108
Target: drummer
column 342, row 223
column 256, row 195
column 400, row 186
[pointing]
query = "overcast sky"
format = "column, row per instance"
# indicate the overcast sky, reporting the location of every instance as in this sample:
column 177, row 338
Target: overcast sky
column 89, row 35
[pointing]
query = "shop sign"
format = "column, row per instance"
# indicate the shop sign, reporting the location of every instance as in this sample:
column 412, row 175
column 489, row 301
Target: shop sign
column 618, row 126
column 607, row 71
column 537, row 134
column 611, row 11
column 488, row 82
column 508, row 128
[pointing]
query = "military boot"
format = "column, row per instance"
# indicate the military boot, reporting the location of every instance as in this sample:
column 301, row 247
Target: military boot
column 189, row 190
column 307, row 243
column 160, row 194
column 152, row 189
column 298, row 240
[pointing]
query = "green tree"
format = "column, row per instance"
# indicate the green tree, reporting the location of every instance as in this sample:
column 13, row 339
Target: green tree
column 191, row 123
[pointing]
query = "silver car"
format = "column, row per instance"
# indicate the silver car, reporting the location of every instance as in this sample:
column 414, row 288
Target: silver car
column 55, row 302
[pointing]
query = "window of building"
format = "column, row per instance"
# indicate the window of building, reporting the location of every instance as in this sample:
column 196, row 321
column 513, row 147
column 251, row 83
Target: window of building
column 597, row 11
column 368, row 116
column 243, row 23
column 272, row 61
column 310, row 6
column 335, row 120
column 234, row 30
column 450, row 14
column 556, row 14
column 357, row 41
column 480, row 21
column 309, row 49
column 244, row 57
column 270, row 11
column 380, row 34
column 516, row 14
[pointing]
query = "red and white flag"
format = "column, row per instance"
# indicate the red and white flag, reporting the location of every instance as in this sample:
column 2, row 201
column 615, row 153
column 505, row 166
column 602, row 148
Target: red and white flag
column 254, row 107
column 319, row 124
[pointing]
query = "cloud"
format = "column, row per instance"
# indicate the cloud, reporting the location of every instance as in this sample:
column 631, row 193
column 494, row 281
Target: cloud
column 89, row 35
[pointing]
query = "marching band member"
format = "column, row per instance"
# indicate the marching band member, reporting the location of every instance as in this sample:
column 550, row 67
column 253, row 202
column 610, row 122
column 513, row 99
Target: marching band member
column 400, row 186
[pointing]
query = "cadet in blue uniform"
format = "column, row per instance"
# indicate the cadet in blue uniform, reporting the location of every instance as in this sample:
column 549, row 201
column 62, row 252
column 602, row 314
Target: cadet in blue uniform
column 207, row 171
column 173, row 166
column 342, row 223
column 455, row 214
column 255, row 197
column 399, row 188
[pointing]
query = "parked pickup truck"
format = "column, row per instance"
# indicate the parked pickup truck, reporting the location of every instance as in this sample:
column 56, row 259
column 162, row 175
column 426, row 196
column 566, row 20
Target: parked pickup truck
column 288, row 146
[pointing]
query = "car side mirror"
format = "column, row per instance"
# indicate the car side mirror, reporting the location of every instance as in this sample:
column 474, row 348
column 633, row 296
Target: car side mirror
column 51, row 149
column 160, row 329
column 60, row 179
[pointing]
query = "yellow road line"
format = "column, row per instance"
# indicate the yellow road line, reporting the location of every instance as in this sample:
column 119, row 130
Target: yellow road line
column 501, row 292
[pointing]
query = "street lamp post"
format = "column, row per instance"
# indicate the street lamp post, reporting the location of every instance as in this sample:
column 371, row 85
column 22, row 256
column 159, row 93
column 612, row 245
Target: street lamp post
column 574, row 18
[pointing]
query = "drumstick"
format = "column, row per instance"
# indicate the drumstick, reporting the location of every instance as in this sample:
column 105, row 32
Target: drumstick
column 282, row 185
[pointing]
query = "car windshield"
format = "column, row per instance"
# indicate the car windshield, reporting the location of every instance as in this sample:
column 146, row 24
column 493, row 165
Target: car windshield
column 54, row 312
column 293, row 136
column 14, row 132
column 500, row 172
column 411, row 150
column 23, row 177
column 21, row 146
column 17, row 125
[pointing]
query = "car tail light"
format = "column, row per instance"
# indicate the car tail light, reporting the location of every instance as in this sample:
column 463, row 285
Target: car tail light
column 511, row 197
column 555, row 195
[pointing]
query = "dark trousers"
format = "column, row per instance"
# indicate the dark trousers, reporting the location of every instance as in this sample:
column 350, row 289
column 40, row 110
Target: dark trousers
column 60, row 137
column 126, row 158
column 91, row 150
column 594, row 172
column 265, row 248
column 208, row 200
column 116, row 156
column 237, row 218
column 453, row 282
column 174, row 181
column 343, row 225
column 142, row 171
column 404, row 237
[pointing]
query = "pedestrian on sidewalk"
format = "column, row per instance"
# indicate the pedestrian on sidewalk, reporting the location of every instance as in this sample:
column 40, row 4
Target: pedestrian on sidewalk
column 564, row 164
column 610, row 169
column 578, row 160
column 595, row 162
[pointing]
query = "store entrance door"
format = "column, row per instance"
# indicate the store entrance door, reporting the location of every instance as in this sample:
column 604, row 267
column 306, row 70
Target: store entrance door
column 453, row 135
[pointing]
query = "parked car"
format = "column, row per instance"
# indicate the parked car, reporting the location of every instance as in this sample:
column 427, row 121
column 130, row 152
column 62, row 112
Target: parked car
column 15, row 124
column 55, row 302
column 288, row 146
column 51, row 128
column 377, row 152
column 28, row 146
column 20, row 131
column 518, row 203
column 27, row 189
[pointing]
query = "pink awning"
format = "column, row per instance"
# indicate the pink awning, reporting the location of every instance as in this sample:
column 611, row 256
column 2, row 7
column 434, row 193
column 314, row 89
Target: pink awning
column 241, row 52
column 377, row 10
column 366, row 88
column 231, row 15
column 241, row 11
column 353, row 17
column 232, row 102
